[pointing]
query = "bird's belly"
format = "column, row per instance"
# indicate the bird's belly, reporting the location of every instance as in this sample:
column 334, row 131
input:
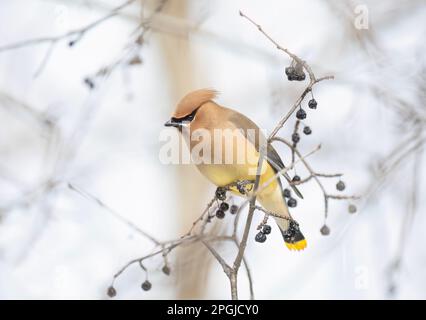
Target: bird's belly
column 270, row 194
column 242, row 166
column 221, row 174
column 225, row 174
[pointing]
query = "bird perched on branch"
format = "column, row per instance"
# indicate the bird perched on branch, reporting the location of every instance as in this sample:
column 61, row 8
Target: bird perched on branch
column 227, row 146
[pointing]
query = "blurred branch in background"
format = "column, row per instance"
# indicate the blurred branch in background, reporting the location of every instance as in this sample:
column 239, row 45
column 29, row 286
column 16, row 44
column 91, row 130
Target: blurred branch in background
column 60, row 149
column 409, row 117
column 74, row 36
column 181, row 78
column 407, row 224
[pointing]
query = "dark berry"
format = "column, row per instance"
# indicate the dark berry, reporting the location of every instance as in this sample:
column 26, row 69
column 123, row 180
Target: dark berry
column 234, row 209
column 241, row 189
column 300, row 77
column 307, row 130
column 166, row 270
column 301, row 114
column 325, row 230
column 292, row 202
column 221, row 193
column 260, row 237
column 296, row 178
column 224, row 206
column 146, row 285
column 266, row 229
column 287, row 193
column 289, row 71
column 352, row 208
column 220, row 214
column 295, row 137
column 312, row 104
column 71, row 43
column 111, row 292
column 340, row 185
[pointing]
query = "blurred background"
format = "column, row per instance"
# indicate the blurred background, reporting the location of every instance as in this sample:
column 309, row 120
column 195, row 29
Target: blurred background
column 87, row 108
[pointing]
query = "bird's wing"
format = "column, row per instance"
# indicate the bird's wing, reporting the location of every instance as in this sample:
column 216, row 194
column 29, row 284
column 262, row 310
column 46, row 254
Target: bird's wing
column 242, row 122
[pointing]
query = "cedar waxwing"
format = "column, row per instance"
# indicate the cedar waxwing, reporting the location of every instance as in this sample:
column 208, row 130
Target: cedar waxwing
column 196, row 111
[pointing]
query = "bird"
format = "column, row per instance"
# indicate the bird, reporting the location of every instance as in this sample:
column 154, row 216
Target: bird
column 198, row 112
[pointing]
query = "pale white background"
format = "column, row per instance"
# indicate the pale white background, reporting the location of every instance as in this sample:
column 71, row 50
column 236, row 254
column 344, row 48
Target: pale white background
column 64, row 246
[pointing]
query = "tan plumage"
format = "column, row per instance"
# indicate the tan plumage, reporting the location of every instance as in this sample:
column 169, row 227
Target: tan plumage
column 208, row 115
column 192, row 101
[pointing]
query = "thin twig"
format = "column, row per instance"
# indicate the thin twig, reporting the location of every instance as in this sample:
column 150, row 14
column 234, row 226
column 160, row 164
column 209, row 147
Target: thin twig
column 225, row 266
column 114, row 213
column 79, row 33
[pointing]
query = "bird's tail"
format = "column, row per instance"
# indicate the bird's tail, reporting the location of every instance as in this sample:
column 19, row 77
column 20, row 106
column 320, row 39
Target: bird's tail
column 272, row 199
column 293, row 237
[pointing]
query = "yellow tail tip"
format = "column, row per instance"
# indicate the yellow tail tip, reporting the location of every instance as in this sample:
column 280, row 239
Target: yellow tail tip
column 299, row 245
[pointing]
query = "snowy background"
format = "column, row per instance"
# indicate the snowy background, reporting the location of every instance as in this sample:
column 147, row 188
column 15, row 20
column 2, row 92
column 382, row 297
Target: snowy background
column 55, row 130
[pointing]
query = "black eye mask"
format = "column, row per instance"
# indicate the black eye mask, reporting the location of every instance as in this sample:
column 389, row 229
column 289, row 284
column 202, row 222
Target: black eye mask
column 177, row 122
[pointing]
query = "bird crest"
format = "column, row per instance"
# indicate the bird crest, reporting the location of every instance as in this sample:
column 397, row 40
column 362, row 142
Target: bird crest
column 192, row 101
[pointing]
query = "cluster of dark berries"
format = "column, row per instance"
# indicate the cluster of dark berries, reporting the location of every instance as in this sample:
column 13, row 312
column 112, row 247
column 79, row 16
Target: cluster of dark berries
column 340, row 186
column 301, row 115
column 261, row 235
column 295, row 73
column 291, row 202
column 220, row 213
column 146, row 286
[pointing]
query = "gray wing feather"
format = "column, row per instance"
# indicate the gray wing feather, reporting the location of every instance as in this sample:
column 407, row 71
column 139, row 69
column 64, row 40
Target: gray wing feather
column 273, row 158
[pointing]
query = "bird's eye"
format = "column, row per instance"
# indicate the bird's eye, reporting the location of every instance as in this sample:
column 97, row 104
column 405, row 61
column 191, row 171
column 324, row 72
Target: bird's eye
column 187, row 118
column 191, row 116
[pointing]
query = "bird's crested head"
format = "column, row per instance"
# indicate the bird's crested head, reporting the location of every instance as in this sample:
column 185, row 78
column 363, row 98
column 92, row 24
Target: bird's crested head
column 189, row 104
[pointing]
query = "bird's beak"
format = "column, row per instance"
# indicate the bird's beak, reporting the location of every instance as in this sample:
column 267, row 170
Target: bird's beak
column 173, row 123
